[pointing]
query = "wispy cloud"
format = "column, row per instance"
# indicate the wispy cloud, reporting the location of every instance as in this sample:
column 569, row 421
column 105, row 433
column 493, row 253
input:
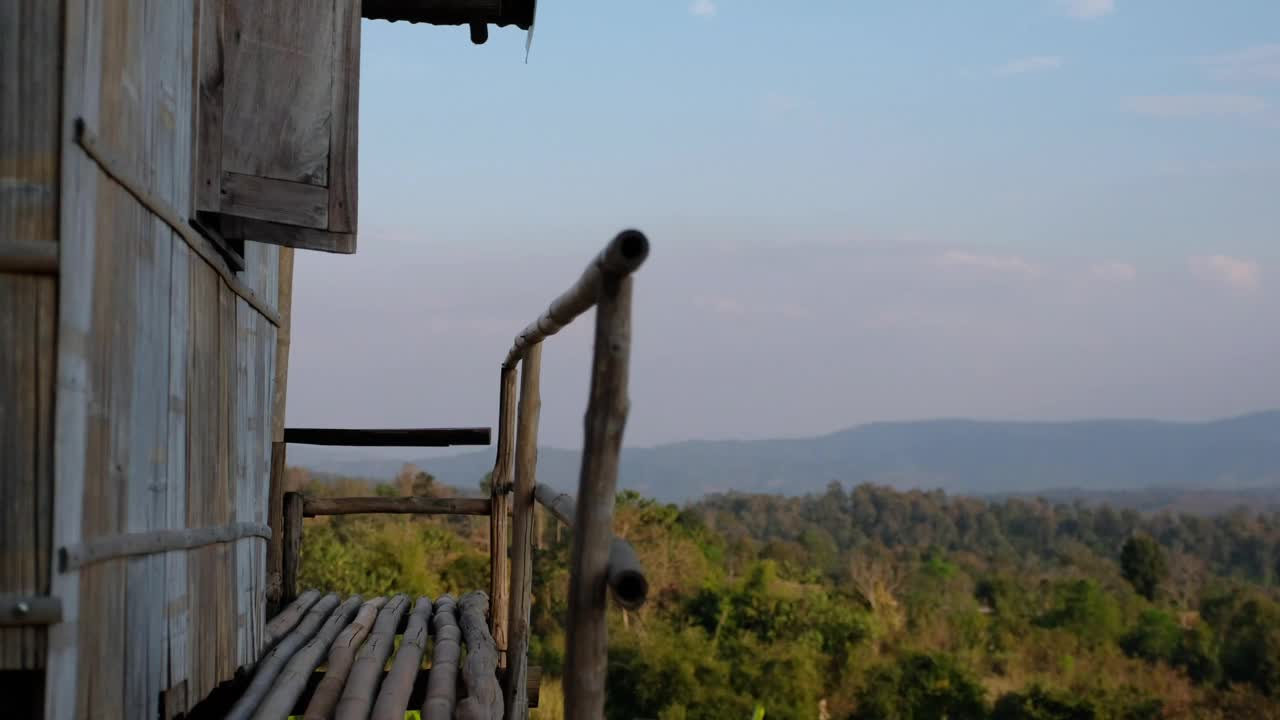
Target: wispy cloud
column 704, row 8
column 1239, row 274
column 1114, row 272
column 1089, row 9
column 991, row 263
column 729, row 305
column 1038, row 63
column 720, row 304
column 1191, row 106
column 1260, row 62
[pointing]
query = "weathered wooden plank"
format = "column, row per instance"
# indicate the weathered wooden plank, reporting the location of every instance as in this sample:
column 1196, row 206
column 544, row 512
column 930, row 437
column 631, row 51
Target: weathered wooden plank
column 274, row 662
column 35, row 257
column 208, row 141
column 279, row 392
column 294, row 236
column 442, row 685
column 291, row 559
column 344, row 141
column 499, row 523
column 176, row 598
column 290, row 683
column 229, row 438
column 413, row 505
column 587, row 635
column 278, row 89
column 388, row 437
column 366, row 672
column 622, row 256
column 393, row 698
column 338, row 664
column 292, row 203
column 515, row 698
column 479, row 670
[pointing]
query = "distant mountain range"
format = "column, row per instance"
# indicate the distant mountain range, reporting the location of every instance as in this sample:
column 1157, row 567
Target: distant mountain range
column 959, row 456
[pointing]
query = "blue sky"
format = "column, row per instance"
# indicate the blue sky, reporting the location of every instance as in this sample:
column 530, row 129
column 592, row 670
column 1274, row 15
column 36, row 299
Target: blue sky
column 1031, row 208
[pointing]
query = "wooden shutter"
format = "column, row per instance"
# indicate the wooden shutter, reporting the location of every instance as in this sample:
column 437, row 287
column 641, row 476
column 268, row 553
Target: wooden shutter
column 279, row 94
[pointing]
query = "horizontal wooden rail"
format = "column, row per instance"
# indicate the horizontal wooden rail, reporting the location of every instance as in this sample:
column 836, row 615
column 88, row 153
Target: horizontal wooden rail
column 20, row 610
column 391, row 437
column 414, row 505
column 626, row 576
column 35, row 257
column 112, row 547
column 621, row 257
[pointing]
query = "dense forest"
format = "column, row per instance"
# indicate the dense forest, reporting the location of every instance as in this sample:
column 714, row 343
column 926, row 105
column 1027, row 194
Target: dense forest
column 870, row 603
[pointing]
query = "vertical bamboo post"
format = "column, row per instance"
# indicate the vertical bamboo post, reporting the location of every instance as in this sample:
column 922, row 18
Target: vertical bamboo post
column 516, row 694
column 499, row 520
column 292, row 551
column 586, row 652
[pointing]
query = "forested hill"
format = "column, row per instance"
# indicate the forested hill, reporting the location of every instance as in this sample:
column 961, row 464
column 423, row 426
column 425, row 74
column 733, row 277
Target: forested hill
column 960, row 456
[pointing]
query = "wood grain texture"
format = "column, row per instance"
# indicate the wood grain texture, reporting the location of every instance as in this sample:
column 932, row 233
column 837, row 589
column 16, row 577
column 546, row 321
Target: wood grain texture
column 275, row 661
column 294, row 236
column 366, row 671
column 413, row 505
column 388, row 437
column 282, row 201
column 344, row 140
column 587, row 635
column 292, row 681
column 341, row 656
column 442, row 684
column 515, row 699
column 114, row 547
column 393, row 698
column 209, row 97
column 479, row 669
column 499, row 522
column 278, row 88
column 291, row 557
column 30, row 56
column 279, row 393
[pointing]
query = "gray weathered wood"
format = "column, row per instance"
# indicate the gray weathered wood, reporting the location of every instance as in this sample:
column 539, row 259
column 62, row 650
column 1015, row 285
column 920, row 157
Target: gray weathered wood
column 292, row 203
column 207, row 173
column 515, row 697
column 338, row 665
column 37, row 257
column 291, row 682
column 442, row 683
column 479, row 670
column 156, row 541
column 499, row 522
column 366, row 671
column 388, row 437
column 294, row 236
column 587, row 635
column 291, row 554
column 622, row 256
column 279, row 454
column 626, row 576
column 281, row 624
column 344, row 140
column 412, row 505
column 274, row 662
column 29, row 610
column 393, row 698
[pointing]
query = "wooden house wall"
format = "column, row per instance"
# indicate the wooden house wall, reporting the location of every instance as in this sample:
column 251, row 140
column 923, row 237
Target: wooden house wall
column 164, row 386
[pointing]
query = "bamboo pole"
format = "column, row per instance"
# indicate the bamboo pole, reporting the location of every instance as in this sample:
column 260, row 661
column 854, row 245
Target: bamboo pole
column 515, row 695
column 410, row 505
column 622, row 256
column 479, row 670
column 338, row 665
column 366, row 672
column 626, row 576
column 292, row 681
column 442, row 683
column 284, row 622
column 393, row 699
column 499, row 523
column 291, row 558
column 587, row 636
column 274, row 662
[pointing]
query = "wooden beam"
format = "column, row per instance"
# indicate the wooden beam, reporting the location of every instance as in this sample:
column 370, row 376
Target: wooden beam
column 626, row 576
column 35, row 257
column 291, row 555
column 621, row 257
column 586, row 639
column 22, row 610
column 413, row 505
column 113, row 547
column 452, row 12
column 398, row 437
column 515, row 699
column 499, row 522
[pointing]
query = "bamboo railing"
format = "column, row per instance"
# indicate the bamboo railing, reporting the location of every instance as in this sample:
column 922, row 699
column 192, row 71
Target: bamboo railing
column 605, row 285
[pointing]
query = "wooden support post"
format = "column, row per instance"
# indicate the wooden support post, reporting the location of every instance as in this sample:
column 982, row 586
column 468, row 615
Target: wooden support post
column 515, row 695
column 499, row 522
column 275, row 484
column 275, row 519
column 393, row 697
column 587, row 636
column 292, row 551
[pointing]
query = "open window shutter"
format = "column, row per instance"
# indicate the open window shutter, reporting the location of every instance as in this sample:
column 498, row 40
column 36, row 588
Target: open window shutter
column 279, row 92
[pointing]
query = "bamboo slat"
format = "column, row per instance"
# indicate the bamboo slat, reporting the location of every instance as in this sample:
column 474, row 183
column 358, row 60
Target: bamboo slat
column 281, row 624
column 290, row 683
column 442, row 683
column 366, row 672
column 479, row 670
column 393, row 698
column 274, row 662
column 338, row 665
column 626, row 576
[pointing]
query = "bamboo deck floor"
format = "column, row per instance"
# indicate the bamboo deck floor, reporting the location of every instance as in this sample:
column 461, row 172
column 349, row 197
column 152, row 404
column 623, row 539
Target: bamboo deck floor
column 382, row 658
